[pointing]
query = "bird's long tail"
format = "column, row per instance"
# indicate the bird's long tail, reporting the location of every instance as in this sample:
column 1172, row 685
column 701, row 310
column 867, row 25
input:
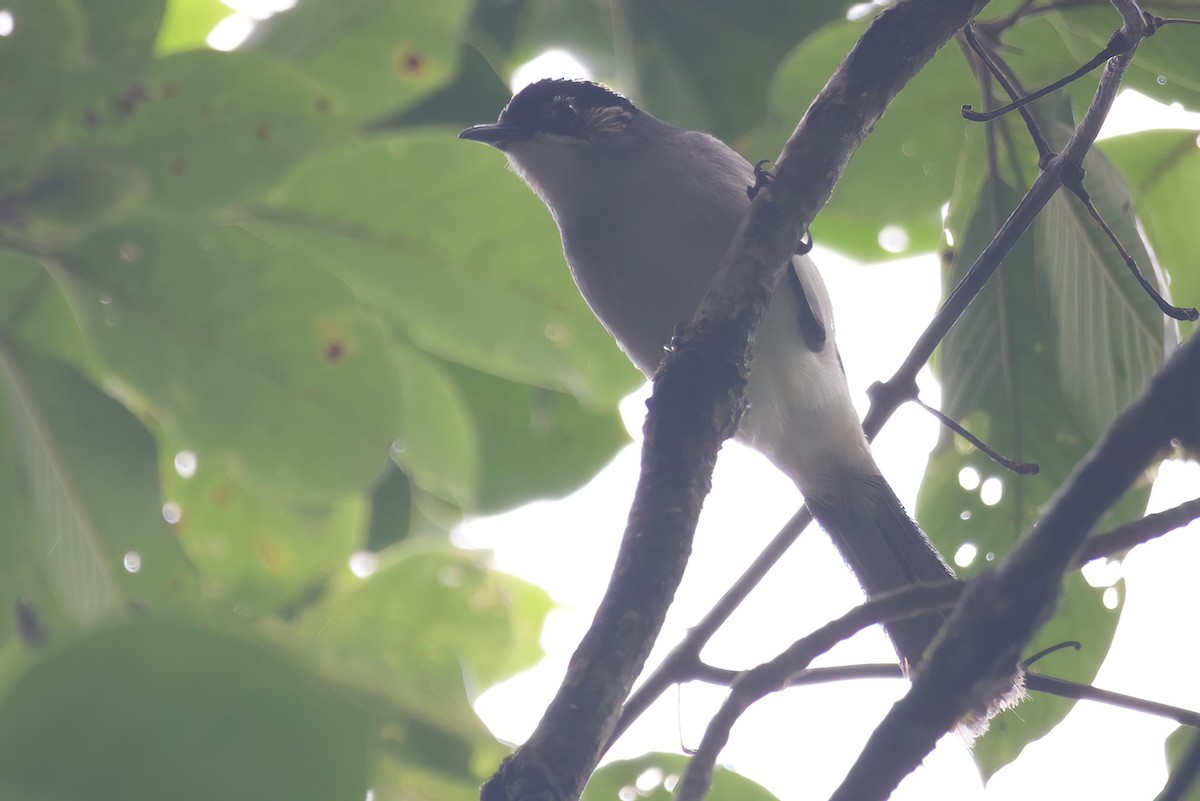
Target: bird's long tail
column 886, row 550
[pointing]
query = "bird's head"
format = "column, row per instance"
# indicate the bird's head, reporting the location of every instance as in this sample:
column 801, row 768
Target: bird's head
column 556, row 131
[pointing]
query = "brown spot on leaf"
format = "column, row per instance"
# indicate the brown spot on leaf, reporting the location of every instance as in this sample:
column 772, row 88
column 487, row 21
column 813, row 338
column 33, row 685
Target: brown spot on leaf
column 263, row 132
column 29, row 623
column 270, row 554
column 334, row 352
column 128, row 101
column 323, row 104
column 219, row 495
column 410, row 62
column 170, row 90
column 179, row 165
column 91, row 120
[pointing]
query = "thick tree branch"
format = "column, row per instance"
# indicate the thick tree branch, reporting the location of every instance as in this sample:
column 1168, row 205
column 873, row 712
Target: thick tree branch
column 698, row 396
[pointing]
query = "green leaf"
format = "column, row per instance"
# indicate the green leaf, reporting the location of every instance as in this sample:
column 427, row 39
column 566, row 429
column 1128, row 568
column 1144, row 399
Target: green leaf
column 158, row 710
column 121, row 33
column 439, row 447
column 1111, row 336
column 1163, row 169
column 90, row 469
column 1000, row 370
column 476, row 94
column 912, row 153
column 34, row 310
column 534, row 443
column 704, row 64
column 75, row 195
column 253, row 360
column 653, row 777
column 500, row 300
column 380, row 55
column 1176, row 746
column 1167, row 66
column 398, row 777
column 34, row 615
column 391, row 510
column 187, row 24
column 251, row 549
column 38, row 61
column 430, row 618
column 205, row 129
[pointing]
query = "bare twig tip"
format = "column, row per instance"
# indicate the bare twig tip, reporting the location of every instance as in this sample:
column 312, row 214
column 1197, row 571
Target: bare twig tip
column 1045, row 652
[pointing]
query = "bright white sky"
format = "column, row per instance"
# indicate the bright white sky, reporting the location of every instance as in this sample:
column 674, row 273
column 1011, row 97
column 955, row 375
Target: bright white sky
column 800, row 743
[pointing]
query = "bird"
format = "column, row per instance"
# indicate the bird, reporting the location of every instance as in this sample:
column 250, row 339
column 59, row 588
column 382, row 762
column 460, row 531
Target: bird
column 646, row 211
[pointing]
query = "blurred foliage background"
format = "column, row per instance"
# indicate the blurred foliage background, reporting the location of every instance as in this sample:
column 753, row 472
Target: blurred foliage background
column 268, row 332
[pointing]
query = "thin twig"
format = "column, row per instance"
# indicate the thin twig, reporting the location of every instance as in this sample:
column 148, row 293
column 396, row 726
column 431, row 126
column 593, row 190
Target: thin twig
column 1117, row 45
column 1124, row 537
column 1020, row 468
column 752, row 685
column 990, row 60
column 1034, row 682
column 1073, row 181
column 679, row 663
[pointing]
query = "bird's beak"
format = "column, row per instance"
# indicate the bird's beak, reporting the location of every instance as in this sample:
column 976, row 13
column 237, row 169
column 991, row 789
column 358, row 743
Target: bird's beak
column 497, row 135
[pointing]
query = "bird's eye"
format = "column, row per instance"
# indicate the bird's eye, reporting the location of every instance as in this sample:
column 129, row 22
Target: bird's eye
column 564, row 112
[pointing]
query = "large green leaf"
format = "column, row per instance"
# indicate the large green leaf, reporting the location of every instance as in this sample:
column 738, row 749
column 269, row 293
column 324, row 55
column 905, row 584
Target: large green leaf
column 35, row 616
column 380, row 55
column 389, row 218
column 1111, row 336
column 912, row 153
column 38, row 61
column 33, row 309
column 121, row 33
column 90, row 469
column 1000, row 370
column 653, row 777
column 398, row 777
column 534, row 443
column 157, row 710
column 431, row 618
column 204, row 129
column 476, row 94
column 1043, row 45
column 255, row 550
column 1163, row 169
column 391, row 510
column 440, row 444
column 250, row 358
column 1167, row 65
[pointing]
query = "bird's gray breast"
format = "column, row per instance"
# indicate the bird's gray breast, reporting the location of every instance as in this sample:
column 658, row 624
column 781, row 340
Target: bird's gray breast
column 644, row 267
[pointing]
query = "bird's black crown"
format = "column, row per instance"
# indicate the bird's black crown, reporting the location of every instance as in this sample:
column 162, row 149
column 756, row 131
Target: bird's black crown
column 567, row 107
